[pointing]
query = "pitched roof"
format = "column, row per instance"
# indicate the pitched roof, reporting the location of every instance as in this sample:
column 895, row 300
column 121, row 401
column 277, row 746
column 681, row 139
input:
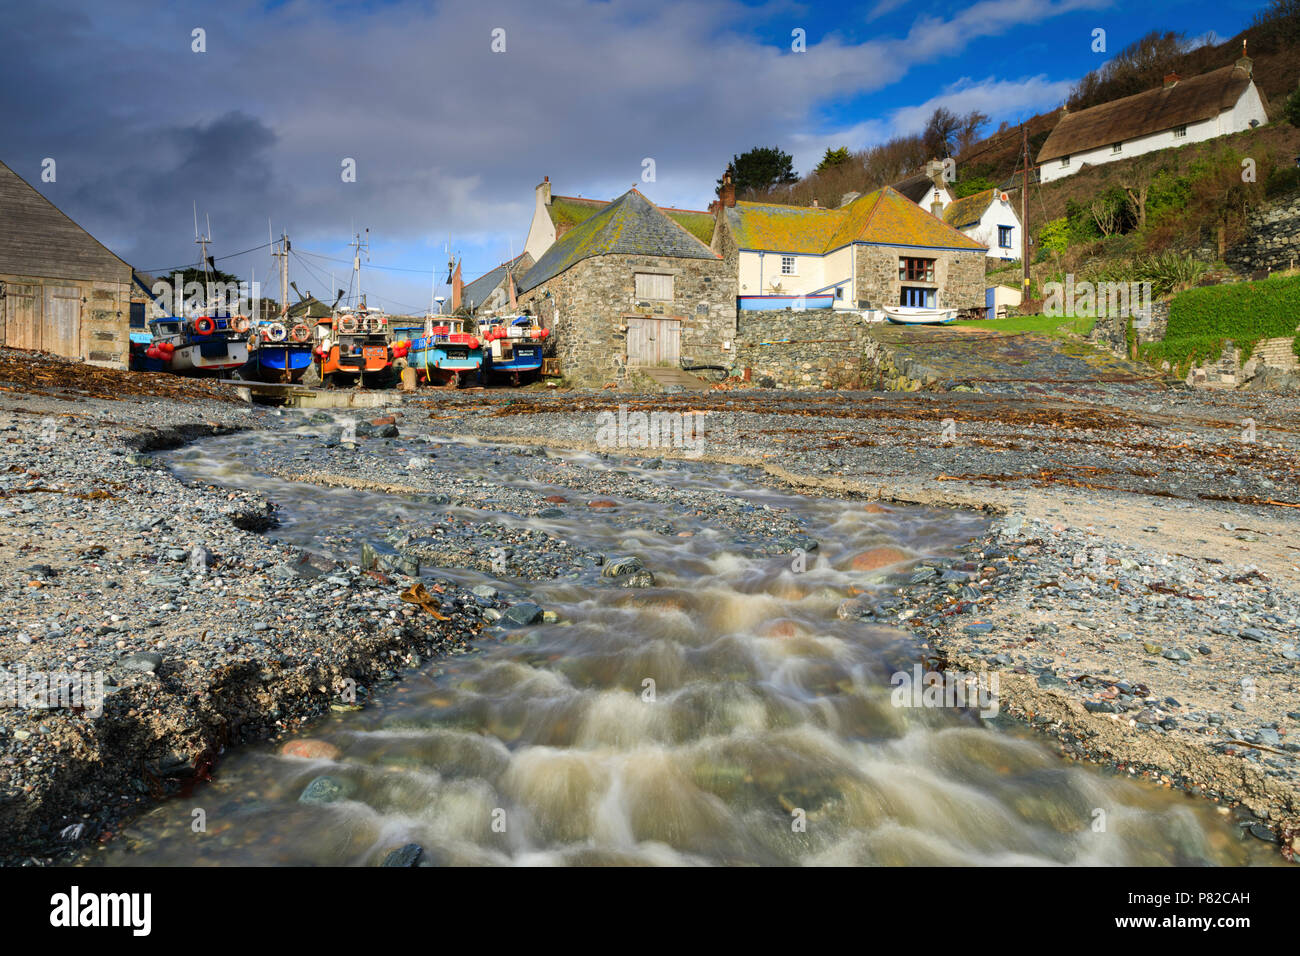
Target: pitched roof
column 968, row 210
column 630, row 225
column 916, row 187
column 476, row 293
column 1187, row 101
column 884, row 216
column 37, row 239
column 568, row 211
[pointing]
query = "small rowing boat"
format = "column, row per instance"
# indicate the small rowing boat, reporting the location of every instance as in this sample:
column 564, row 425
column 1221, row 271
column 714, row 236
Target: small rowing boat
column 910, row 315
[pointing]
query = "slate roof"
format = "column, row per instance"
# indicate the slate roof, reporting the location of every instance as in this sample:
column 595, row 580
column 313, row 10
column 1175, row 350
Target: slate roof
column 885, row 217
column 36, row 239
column 476, row 293
column 567, row 211
column 1188, row 101
column 630, row 225
column 967, row 211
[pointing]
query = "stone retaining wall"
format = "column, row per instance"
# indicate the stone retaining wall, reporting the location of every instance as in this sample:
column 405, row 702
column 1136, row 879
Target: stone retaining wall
column 1272, row 239
column 816, row 348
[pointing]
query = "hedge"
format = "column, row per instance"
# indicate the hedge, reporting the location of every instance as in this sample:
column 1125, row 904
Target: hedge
column 1201, row 320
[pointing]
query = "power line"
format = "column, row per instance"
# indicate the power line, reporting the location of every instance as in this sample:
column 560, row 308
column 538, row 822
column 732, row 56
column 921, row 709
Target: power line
column 233, row 255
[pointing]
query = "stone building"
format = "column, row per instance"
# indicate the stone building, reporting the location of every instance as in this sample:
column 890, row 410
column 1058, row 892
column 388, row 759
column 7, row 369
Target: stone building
column 61, row 291
column 879, row 249
column 628, row 288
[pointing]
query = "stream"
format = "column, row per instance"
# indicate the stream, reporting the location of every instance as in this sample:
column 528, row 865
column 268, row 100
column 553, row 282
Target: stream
column 725, row 715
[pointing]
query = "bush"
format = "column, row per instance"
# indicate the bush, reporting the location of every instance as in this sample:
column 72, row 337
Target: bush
column 971, row 186
column 1054, row 236
column 1201, row 320
column 1282, row 181
column 1291, row 109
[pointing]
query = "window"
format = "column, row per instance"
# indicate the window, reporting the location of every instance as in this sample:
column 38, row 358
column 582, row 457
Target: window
column 1180, row 132
column 916, row 298
column 1004, row 237
column 1116, row 147
column 916, row 270
column 1065, row 160
column 839, row 292
column 787, row 266
column 652, row 285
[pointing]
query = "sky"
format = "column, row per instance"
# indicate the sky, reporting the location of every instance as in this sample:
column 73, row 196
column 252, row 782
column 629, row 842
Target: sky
column 452, row 112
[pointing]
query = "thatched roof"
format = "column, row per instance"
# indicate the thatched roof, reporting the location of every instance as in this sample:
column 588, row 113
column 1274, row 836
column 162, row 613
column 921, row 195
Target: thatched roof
column 1187, row 101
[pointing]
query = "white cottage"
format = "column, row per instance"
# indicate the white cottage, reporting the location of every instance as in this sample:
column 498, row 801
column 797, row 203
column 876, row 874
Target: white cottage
column 988, row 217
column 1180, row 112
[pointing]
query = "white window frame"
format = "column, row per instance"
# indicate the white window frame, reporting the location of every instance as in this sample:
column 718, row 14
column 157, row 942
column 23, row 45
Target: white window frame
column 1065, row 160
column 1180, row 132
column 789, row 265
column 650, row 286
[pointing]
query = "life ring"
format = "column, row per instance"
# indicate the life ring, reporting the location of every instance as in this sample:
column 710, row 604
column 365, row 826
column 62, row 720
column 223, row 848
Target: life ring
column 275, row 332
column 300, row 333
column 375, row 323
column 240, row 324
column 348, row 323
column 204, row 325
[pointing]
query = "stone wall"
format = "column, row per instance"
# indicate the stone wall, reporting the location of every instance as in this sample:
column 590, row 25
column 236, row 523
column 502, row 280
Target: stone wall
column 1272, row 239
column 958, row 274
column 587, row 307
column 1111, row 331
column 816, row 348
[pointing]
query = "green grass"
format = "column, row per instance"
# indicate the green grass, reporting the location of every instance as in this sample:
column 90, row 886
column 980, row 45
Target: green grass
column 1043, row 324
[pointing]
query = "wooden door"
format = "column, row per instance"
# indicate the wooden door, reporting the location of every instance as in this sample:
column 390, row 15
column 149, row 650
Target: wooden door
column 653, row 341
column 61, row 331
column 22, row 313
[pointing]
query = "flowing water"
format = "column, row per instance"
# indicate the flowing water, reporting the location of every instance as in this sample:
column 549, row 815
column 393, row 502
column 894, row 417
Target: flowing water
column 724, row 716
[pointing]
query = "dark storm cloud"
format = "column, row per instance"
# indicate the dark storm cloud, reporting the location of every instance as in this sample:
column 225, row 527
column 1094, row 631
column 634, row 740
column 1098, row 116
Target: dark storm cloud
column 448, row 137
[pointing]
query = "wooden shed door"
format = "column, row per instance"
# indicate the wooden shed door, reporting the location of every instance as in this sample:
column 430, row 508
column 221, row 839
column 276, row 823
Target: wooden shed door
column 653, row 341
column 22, row 314
column 61, row 333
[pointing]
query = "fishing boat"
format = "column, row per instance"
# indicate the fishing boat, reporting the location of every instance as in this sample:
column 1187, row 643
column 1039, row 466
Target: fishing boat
column 512, row 346
column 445, row 354
column 354, row 344
column 203, row 345
column 911, row 315
column 280, row 352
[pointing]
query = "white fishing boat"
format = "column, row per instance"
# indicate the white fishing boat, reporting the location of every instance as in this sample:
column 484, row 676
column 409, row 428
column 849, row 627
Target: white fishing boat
column 911, row 315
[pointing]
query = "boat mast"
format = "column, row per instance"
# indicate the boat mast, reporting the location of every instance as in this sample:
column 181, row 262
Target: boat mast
column 358, row 246
column 283, row 256
column 202, row 243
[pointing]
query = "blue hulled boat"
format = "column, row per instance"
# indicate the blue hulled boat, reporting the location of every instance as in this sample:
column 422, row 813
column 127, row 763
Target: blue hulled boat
column 512, row 347
column 445, row 354
column 280, row 353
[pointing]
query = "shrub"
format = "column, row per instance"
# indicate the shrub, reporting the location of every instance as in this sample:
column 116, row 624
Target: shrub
column 1054, row 236
column 1201, row 320
column 1282, row 181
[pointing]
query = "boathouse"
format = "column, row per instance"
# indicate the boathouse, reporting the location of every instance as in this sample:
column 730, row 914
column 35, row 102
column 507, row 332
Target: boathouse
column 629, row 287
column 61, row 290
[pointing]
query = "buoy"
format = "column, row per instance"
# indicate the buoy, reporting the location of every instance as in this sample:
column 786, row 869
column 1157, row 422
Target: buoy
column 300, row 333
column 204, row 325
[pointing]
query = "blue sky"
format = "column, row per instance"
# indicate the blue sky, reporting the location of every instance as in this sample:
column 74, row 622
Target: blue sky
column 450, row 137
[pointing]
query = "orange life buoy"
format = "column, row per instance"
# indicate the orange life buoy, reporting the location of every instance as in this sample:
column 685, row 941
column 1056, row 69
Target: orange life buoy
column 300, row 333
column 240, row 324
column 348, row 323
column 204, row 325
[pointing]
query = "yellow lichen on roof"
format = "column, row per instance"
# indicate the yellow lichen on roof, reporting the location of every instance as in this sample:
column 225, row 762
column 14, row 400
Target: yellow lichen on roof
column 884, row 216
column 965, row 211
column 777, row 228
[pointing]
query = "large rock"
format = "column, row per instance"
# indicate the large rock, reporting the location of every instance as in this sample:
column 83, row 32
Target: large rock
column 882, row 556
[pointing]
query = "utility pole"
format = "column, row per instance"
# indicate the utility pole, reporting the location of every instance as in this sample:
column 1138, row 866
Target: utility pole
column 358, row 246
column 1024, row 219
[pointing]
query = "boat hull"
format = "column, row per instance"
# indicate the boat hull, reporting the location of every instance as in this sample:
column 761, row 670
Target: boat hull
column 761, row 303
column 209, row 358
column 278, row 363
column 903, row 315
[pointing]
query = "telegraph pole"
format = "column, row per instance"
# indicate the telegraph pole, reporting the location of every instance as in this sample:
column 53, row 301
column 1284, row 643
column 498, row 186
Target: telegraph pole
column 1024, row 219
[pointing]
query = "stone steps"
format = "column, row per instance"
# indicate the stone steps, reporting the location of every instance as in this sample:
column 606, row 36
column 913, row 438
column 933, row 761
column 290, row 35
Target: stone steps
column 1277, row 353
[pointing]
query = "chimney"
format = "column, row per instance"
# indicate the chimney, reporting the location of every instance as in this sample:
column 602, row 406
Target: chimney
column 1246, row 63
column 1171, row 80
column 544, row 190
column 727, row 194
column 848, row 198
column 815, row 204
column 934, row 170
column 936, row 209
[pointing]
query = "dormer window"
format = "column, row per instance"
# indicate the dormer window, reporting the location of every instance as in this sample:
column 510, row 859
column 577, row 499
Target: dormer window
column 1180, row 132
column 1065, row 160
column 1116, row 147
